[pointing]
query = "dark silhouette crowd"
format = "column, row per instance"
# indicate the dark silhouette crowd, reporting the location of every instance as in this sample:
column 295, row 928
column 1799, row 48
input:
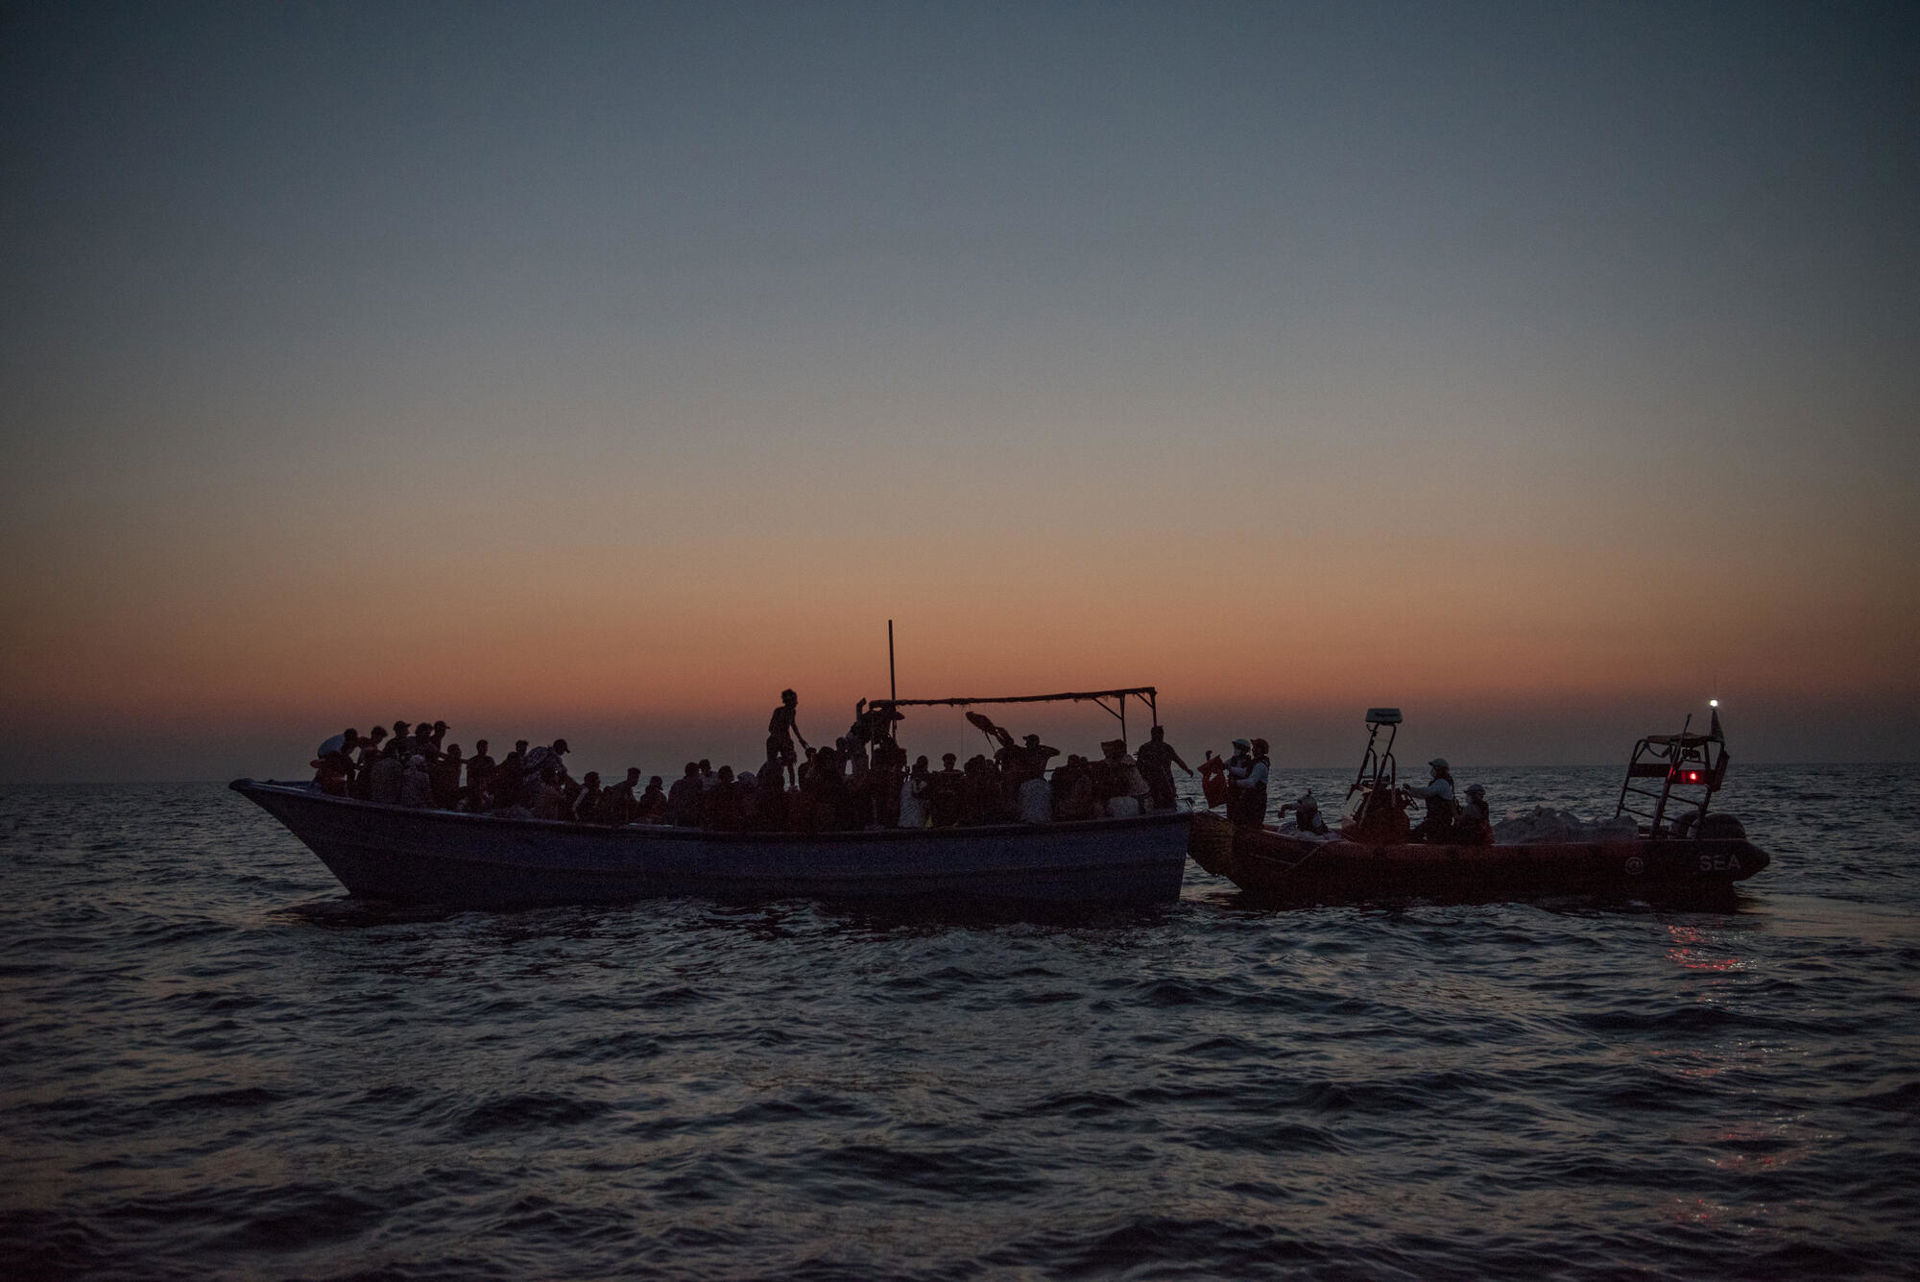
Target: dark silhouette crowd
column 863, row 780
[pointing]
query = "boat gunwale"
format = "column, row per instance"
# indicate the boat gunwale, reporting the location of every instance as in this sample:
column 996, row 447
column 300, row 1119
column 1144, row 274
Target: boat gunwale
column 305, row 791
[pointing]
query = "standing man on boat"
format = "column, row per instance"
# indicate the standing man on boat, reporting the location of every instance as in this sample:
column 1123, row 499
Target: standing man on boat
column 1156, row 759
column 782, row 730
column 1437, row 792
column 1247, row 775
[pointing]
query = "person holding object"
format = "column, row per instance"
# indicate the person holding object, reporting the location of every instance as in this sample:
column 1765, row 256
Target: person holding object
column 1247, row 774
column 1437, row 792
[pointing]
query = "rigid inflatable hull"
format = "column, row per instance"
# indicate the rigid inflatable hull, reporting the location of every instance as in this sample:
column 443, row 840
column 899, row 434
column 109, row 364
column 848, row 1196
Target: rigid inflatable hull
column 444, row 857
column 1273, row 866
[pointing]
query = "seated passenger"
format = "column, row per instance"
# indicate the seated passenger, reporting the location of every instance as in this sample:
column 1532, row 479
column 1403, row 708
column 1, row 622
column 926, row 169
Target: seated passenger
column 1131, row 793
column 1307, row 817
column 589, row 806
column 362, row 783
column 416, row 785
column 617, row 803
column 544, row 799
column 444, row 771
column 913, row 795
column 722, row 803
column 653, row 803
column 746, row 797
column 385, row 777
column 944, row 793
column 479, row 776
column 685, row 800
column 333, row 766
column 1073, row 796
column 1475, row 825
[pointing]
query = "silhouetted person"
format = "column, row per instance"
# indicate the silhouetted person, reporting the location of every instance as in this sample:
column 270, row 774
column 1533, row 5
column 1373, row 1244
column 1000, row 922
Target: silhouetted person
column 508, row 784
column 370, row 752
column 444, row 771
column 945, row 789
column 479, row 775
column 1072, row 790
column 721, row 803
column 416, row 785
column 1029, row 761
column 1157, row 759
column 783, row 730
column 333, row 764
column 384, row 779
column 685, row 800
column 652, row 808
column 589, row 807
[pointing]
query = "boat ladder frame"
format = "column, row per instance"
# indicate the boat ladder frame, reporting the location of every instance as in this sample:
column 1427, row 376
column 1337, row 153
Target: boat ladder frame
column 1690, row 769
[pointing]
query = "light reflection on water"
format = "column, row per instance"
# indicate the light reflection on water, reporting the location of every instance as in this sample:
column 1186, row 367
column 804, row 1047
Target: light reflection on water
column 215, row 1062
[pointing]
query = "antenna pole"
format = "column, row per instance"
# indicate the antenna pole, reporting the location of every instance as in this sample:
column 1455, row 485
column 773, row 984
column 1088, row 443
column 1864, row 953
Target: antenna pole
column 893, row 691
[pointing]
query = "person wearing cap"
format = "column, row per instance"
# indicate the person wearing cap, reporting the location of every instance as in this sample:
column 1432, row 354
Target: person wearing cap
column 1475, row 825
column 1437, row 792
column 1247, row 776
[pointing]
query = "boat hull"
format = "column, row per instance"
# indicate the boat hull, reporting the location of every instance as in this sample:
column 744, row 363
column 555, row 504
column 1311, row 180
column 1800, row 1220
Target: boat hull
column 461, row 860
column 1275, row 867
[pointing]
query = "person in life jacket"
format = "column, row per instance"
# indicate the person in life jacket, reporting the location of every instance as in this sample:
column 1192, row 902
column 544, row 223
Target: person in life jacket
column 1475, row 825
column 1247, row 774
column 1442, row 809
column 1307, row 817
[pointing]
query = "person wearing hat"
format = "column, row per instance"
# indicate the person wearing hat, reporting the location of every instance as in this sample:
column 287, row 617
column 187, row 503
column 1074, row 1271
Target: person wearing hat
column 1437, row 792
column 1475, row 825
column 1247, row 777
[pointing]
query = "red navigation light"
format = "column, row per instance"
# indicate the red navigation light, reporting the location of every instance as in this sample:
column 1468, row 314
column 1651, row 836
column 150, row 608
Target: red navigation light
column 1687, row 776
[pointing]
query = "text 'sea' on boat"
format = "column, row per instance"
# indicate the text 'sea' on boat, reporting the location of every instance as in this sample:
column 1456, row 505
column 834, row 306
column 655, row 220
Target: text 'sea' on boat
column 1663, row 845
column 415, row 855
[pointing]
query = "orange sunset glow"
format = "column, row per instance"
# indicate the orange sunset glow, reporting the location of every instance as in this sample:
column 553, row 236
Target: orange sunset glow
column 1279, row 380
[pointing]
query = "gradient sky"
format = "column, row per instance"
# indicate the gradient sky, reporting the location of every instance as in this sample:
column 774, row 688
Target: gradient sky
column 600, row 370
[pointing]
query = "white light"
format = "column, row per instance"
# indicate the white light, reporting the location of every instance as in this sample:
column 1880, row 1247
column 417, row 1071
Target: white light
column 1713, row 703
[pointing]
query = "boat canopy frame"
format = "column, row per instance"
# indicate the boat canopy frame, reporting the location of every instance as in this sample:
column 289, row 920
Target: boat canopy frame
column 1117, row 708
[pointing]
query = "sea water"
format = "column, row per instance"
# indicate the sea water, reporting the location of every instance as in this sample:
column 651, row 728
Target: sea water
column 213, row 1063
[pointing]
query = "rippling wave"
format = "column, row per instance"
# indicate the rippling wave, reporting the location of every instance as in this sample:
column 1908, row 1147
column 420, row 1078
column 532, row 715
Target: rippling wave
column 216, row 1064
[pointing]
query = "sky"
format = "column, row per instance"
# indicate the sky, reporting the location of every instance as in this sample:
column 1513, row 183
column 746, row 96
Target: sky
column 600, row 370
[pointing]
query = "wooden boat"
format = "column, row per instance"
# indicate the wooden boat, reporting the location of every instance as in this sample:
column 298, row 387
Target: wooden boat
column 469, row 860
column 1679, row 854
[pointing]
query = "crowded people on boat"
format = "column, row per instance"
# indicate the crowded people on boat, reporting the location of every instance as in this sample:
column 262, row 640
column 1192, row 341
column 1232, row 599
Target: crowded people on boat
column 1437, row 792
column 861, row 781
